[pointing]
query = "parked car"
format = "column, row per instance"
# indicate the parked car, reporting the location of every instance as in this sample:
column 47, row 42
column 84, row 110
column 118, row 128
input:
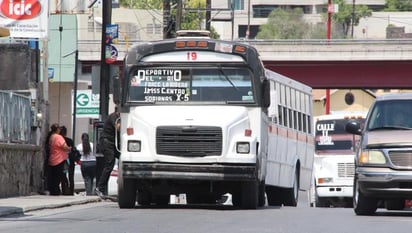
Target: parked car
column 79, row 182
column 383, row 163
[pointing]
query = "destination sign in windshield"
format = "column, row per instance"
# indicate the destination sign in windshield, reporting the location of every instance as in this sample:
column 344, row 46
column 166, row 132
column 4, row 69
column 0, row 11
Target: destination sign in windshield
column 160, row 85
column 210, row 84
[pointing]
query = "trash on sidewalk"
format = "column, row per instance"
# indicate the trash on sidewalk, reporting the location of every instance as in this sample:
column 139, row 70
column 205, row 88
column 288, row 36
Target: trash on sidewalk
column 178, row 200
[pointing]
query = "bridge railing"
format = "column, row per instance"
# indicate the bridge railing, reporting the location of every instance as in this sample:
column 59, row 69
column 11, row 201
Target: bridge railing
column 337, row 50
column 15, row 118
column 407, row 41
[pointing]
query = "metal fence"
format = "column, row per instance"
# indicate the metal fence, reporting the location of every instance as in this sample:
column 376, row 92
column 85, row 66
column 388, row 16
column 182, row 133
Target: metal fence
column 15, row 118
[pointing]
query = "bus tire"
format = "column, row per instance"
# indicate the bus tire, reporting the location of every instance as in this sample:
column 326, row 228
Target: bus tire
column 291, row 195
column 274, row 196
column 247, row 198
column 262, row 196
column 144, row 197
column 362, row 205
column 126, row 193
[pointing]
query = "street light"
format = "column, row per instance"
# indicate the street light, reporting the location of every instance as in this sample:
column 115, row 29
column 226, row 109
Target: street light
column 76, row 57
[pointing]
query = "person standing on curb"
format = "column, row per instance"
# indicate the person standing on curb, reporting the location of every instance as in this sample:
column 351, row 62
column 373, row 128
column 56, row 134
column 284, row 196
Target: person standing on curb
column 111, row 132
column 57, row 160
column 72, row 159
column 87, row 163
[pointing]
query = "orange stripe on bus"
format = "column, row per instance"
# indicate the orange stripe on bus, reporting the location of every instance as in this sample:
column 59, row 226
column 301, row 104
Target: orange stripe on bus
column 289, row 133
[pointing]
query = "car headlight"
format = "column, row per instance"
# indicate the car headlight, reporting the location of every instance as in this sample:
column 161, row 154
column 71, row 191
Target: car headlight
column 372, row 157
column 243, row 147
column 134, row 146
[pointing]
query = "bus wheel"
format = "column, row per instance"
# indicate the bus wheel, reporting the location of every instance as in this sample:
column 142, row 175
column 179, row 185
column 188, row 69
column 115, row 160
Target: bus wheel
column 262, row 196
column 126, row 193
column 274, row 195
column 361, row 204
column 247, row 198
column 291, row 195
column 143, row 197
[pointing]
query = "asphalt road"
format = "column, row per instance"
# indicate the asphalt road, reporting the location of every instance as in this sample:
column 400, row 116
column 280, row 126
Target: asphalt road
column 107, row 217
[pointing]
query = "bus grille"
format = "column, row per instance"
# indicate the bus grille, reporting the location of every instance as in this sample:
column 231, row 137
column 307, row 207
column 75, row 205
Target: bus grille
column 189, row 141
column 346, row 169
column 401, row 159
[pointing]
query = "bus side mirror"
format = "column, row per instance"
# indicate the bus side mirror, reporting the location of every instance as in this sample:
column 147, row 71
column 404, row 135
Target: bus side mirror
column 265, row 93
column 353, row 128
column 116, row 90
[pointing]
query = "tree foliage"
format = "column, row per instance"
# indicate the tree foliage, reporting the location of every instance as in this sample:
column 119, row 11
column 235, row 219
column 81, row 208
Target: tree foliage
column 398, row 5
column 191, row 20
column 290, row 24
column 284, row 24
column 346, row 14
column 142, row 4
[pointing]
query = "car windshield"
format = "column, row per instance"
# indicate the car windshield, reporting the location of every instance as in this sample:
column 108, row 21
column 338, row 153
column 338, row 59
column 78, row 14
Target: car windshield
column 391, row 114
column 212, row 84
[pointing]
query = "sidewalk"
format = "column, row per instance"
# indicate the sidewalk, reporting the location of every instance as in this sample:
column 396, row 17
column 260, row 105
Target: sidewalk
column 21, row 205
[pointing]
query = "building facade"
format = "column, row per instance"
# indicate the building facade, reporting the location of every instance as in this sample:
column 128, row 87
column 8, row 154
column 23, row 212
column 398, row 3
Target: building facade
column 248, row 15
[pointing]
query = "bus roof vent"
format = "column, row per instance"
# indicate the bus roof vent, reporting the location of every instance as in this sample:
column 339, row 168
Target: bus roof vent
column 193, row 33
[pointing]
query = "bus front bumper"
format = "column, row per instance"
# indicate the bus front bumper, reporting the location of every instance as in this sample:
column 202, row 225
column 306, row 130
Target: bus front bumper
column 334, row 191
column 213, row 172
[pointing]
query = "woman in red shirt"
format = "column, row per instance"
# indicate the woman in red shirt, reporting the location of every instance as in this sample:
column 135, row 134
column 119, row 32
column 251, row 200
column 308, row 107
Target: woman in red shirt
column 57, row 160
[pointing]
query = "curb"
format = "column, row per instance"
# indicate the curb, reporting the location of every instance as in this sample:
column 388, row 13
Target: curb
column 21, row 205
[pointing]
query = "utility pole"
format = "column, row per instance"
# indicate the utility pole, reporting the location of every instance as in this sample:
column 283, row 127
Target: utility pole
column 232, row 7
column 179, row 13
column 353, row 17
column 248, row 20
column 104, row 67
column 166, row 18
column 208, row 14
column 76, row 58
column 330, row 10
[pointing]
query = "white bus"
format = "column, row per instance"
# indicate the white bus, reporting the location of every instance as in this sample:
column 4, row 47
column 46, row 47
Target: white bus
column 203, row 117
column 334, row 167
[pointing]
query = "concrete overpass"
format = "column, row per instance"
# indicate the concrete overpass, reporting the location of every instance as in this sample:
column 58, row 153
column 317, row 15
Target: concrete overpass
column 321, row 63
column 341, row 63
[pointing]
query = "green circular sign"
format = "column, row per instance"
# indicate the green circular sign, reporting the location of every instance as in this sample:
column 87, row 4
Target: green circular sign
column 82, row 99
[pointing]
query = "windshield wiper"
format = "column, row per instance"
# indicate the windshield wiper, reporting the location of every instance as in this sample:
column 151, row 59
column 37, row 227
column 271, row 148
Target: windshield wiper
column 228, row 80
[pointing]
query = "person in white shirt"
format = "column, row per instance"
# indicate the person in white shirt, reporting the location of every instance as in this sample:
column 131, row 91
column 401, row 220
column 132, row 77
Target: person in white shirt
column 87, row 163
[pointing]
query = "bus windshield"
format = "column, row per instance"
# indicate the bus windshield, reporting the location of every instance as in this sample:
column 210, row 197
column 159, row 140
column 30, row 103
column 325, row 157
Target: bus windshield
column 332, row 137
column 176, row 84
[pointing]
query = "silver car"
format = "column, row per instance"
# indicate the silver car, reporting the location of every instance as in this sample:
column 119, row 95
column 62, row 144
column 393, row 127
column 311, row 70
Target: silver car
column 383, row 162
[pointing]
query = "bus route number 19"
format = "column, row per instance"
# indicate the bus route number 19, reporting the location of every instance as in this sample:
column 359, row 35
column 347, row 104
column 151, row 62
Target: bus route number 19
column 191, row 56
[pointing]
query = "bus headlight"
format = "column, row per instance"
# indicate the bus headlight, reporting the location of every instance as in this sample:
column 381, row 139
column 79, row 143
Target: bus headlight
column 134, row 146
column 371, row 157
column 323, row 180
column 242, row 147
